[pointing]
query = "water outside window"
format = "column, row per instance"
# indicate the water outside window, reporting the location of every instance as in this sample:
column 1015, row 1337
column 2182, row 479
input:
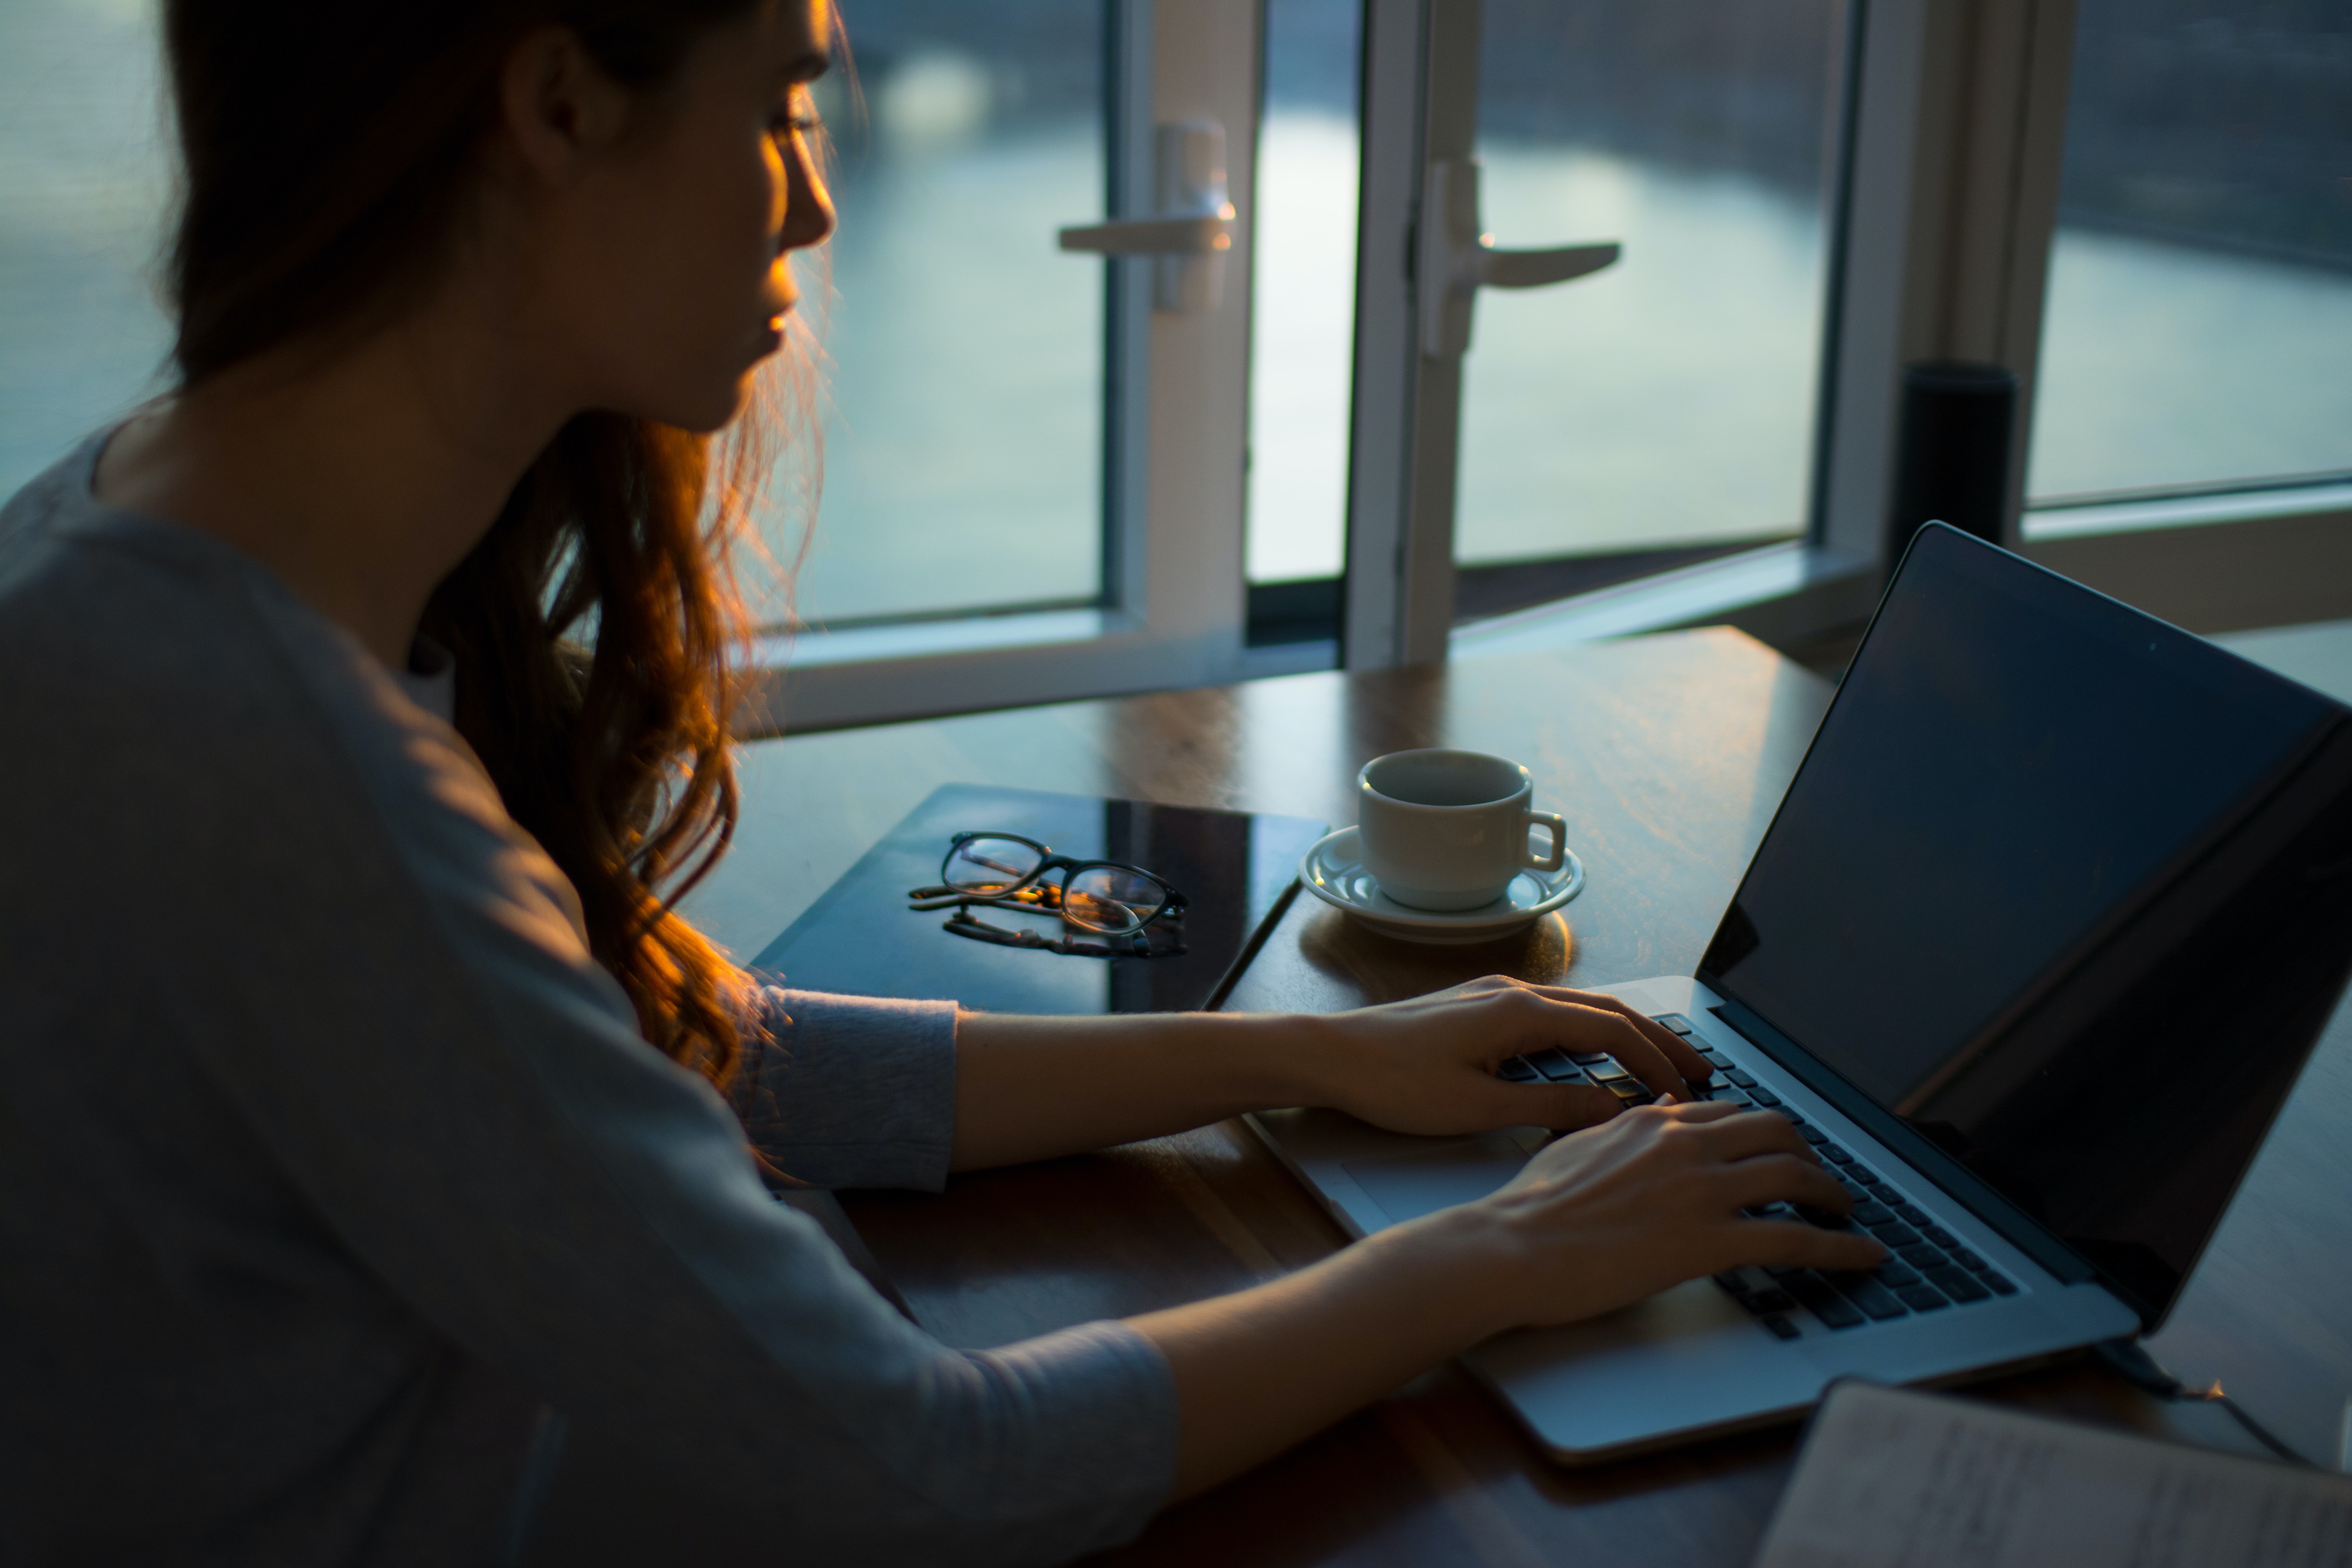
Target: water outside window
column 1303, row 321
column 85, row 173
column 1668, row 401
column 2198, row 328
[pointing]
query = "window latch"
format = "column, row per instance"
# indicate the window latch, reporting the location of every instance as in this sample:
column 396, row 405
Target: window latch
column 1190, row 227
column 1456, row 260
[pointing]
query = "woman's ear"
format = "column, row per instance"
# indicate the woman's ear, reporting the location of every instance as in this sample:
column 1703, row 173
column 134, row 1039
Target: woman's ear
column 559, row 110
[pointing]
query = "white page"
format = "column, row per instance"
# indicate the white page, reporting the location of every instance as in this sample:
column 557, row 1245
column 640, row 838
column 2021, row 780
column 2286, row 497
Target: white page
column 1898, row 1478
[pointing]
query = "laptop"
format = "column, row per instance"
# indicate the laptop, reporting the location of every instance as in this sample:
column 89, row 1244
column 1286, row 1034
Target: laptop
column 2042, row 934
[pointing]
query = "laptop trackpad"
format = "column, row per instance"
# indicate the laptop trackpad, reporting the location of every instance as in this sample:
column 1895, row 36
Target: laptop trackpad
column 1460, row 1171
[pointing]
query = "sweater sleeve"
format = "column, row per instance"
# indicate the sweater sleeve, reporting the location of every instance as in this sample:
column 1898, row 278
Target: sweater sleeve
column 593, row 1219
column 852, row 1092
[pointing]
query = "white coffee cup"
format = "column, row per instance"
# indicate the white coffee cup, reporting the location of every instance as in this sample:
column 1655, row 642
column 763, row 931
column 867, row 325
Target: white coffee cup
column 1448, row 830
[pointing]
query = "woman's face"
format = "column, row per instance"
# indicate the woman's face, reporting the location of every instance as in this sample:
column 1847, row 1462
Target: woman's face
column 672, row 269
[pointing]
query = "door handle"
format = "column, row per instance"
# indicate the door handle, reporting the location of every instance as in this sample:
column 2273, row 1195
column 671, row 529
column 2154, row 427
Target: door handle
column 1191, row 225
column 1454, row 260
column 1202, row 235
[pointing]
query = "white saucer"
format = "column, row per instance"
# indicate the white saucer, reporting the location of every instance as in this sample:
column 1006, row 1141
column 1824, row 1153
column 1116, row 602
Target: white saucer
column 1333, row 873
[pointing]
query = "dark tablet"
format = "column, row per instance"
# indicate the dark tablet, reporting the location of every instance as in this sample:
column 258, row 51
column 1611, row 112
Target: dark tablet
column 1237, row 871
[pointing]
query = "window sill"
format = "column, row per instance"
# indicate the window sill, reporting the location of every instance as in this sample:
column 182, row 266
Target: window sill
column 925, row 670
column 817, row 647
column 2097, row 518
column 1780, row 594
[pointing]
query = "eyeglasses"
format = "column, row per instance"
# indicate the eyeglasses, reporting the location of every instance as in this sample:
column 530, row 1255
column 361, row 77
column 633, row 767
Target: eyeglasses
column 1005, row 870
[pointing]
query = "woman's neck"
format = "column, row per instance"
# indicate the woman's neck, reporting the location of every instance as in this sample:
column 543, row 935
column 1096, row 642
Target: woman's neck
column 362, row 478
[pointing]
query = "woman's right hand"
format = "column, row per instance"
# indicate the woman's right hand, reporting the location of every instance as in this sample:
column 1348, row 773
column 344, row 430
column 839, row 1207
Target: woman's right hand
column 1604, row 1218
column 1599, row 1219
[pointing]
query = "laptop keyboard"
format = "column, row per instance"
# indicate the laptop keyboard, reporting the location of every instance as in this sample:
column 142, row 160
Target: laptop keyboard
column 1928, row 1268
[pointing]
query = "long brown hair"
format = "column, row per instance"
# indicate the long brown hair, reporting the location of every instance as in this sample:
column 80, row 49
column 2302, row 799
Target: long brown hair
column 328, row 150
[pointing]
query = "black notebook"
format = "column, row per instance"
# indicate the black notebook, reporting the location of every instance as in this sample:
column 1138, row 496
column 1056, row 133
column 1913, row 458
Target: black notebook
column 1236, row 869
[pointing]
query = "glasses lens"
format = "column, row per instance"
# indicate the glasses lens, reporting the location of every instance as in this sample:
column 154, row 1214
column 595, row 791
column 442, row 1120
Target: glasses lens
column 1106, row 898
column 987, row 866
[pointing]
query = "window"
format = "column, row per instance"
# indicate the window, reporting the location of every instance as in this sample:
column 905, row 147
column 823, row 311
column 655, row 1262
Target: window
column 1663, row 409
column 964, row 451
column 84, row 174
column 1040, row 455
column 1360, row 433
column 2199, row 329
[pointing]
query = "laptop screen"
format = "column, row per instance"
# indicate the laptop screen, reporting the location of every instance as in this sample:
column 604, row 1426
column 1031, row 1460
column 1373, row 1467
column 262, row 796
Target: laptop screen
column 2054, row 885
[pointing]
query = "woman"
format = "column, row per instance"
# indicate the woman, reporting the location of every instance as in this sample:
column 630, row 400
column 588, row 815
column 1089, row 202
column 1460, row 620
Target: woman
column 366, row 1115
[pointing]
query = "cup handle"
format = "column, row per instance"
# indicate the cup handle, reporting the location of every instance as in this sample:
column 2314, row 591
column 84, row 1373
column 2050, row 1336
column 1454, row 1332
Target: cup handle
column 1559, row 855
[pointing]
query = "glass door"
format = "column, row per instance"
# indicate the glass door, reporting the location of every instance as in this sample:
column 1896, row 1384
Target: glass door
column 963, row 450
column 1661, row 410
column 1602, row 356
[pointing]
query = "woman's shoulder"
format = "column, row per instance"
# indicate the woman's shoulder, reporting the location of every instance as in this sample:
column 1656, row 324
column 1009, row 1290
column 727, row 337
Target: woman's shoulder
column 128, row 626
column 153, row 670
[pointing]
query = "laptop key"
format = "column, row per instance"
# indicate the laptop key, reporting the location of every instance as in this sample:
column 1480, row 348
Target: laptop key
column 1744, row 1079
column 1674, row 1021
column 1835, row 1155
column 1518, row 1070
column 1763, row 1096
column 1873, row 1215
column 1922, row 1256
column 1957, row 1283
column 1781, row 1328
column 1760, row 1300
column 1921, row 1298
column 1864, row 1174
column 1999, row 1283
column 1587, row 1058
column 1608, row 1072
column 1860, row 1289
column 1717, row 1057
column 1822, row 1302
column 1969, row 1260
column 1892, row 1273
column 1940, row 1235
column 1811, row 1134
column 1822, row 1218
column 1893, row 1231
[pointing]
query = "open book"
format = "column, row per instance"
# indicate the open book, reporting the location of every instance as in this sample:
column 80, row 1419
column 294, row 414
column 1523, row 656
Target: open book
column 1898, row 1478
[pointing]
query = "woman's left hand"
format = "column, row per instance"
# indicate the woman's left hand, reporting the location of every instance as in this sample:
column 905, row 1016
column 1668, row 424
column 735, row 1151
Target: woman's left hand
column 1428, row 1065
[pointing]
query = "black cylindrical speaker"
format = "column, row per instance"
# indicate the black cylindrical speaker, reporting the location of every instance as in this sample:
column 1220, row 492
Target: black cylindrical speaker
column 1952, row 465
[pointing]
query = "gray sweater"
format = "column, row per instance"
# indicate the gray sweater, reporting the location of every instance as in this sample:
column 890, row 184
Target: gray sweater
column 335, row 1176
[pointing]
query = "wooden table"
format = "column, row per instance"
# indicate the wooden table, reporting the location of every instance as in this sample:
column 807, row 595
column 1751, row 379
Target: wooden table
column 1668, row 755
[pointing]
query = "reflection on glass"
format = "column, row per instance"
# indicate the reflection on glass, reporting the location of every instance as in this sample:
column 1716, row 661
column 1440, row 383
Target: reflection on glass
column 84, row 174
column 964, row 458
column 1303, row 317
column 1670, row 400
column 2200, row 314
